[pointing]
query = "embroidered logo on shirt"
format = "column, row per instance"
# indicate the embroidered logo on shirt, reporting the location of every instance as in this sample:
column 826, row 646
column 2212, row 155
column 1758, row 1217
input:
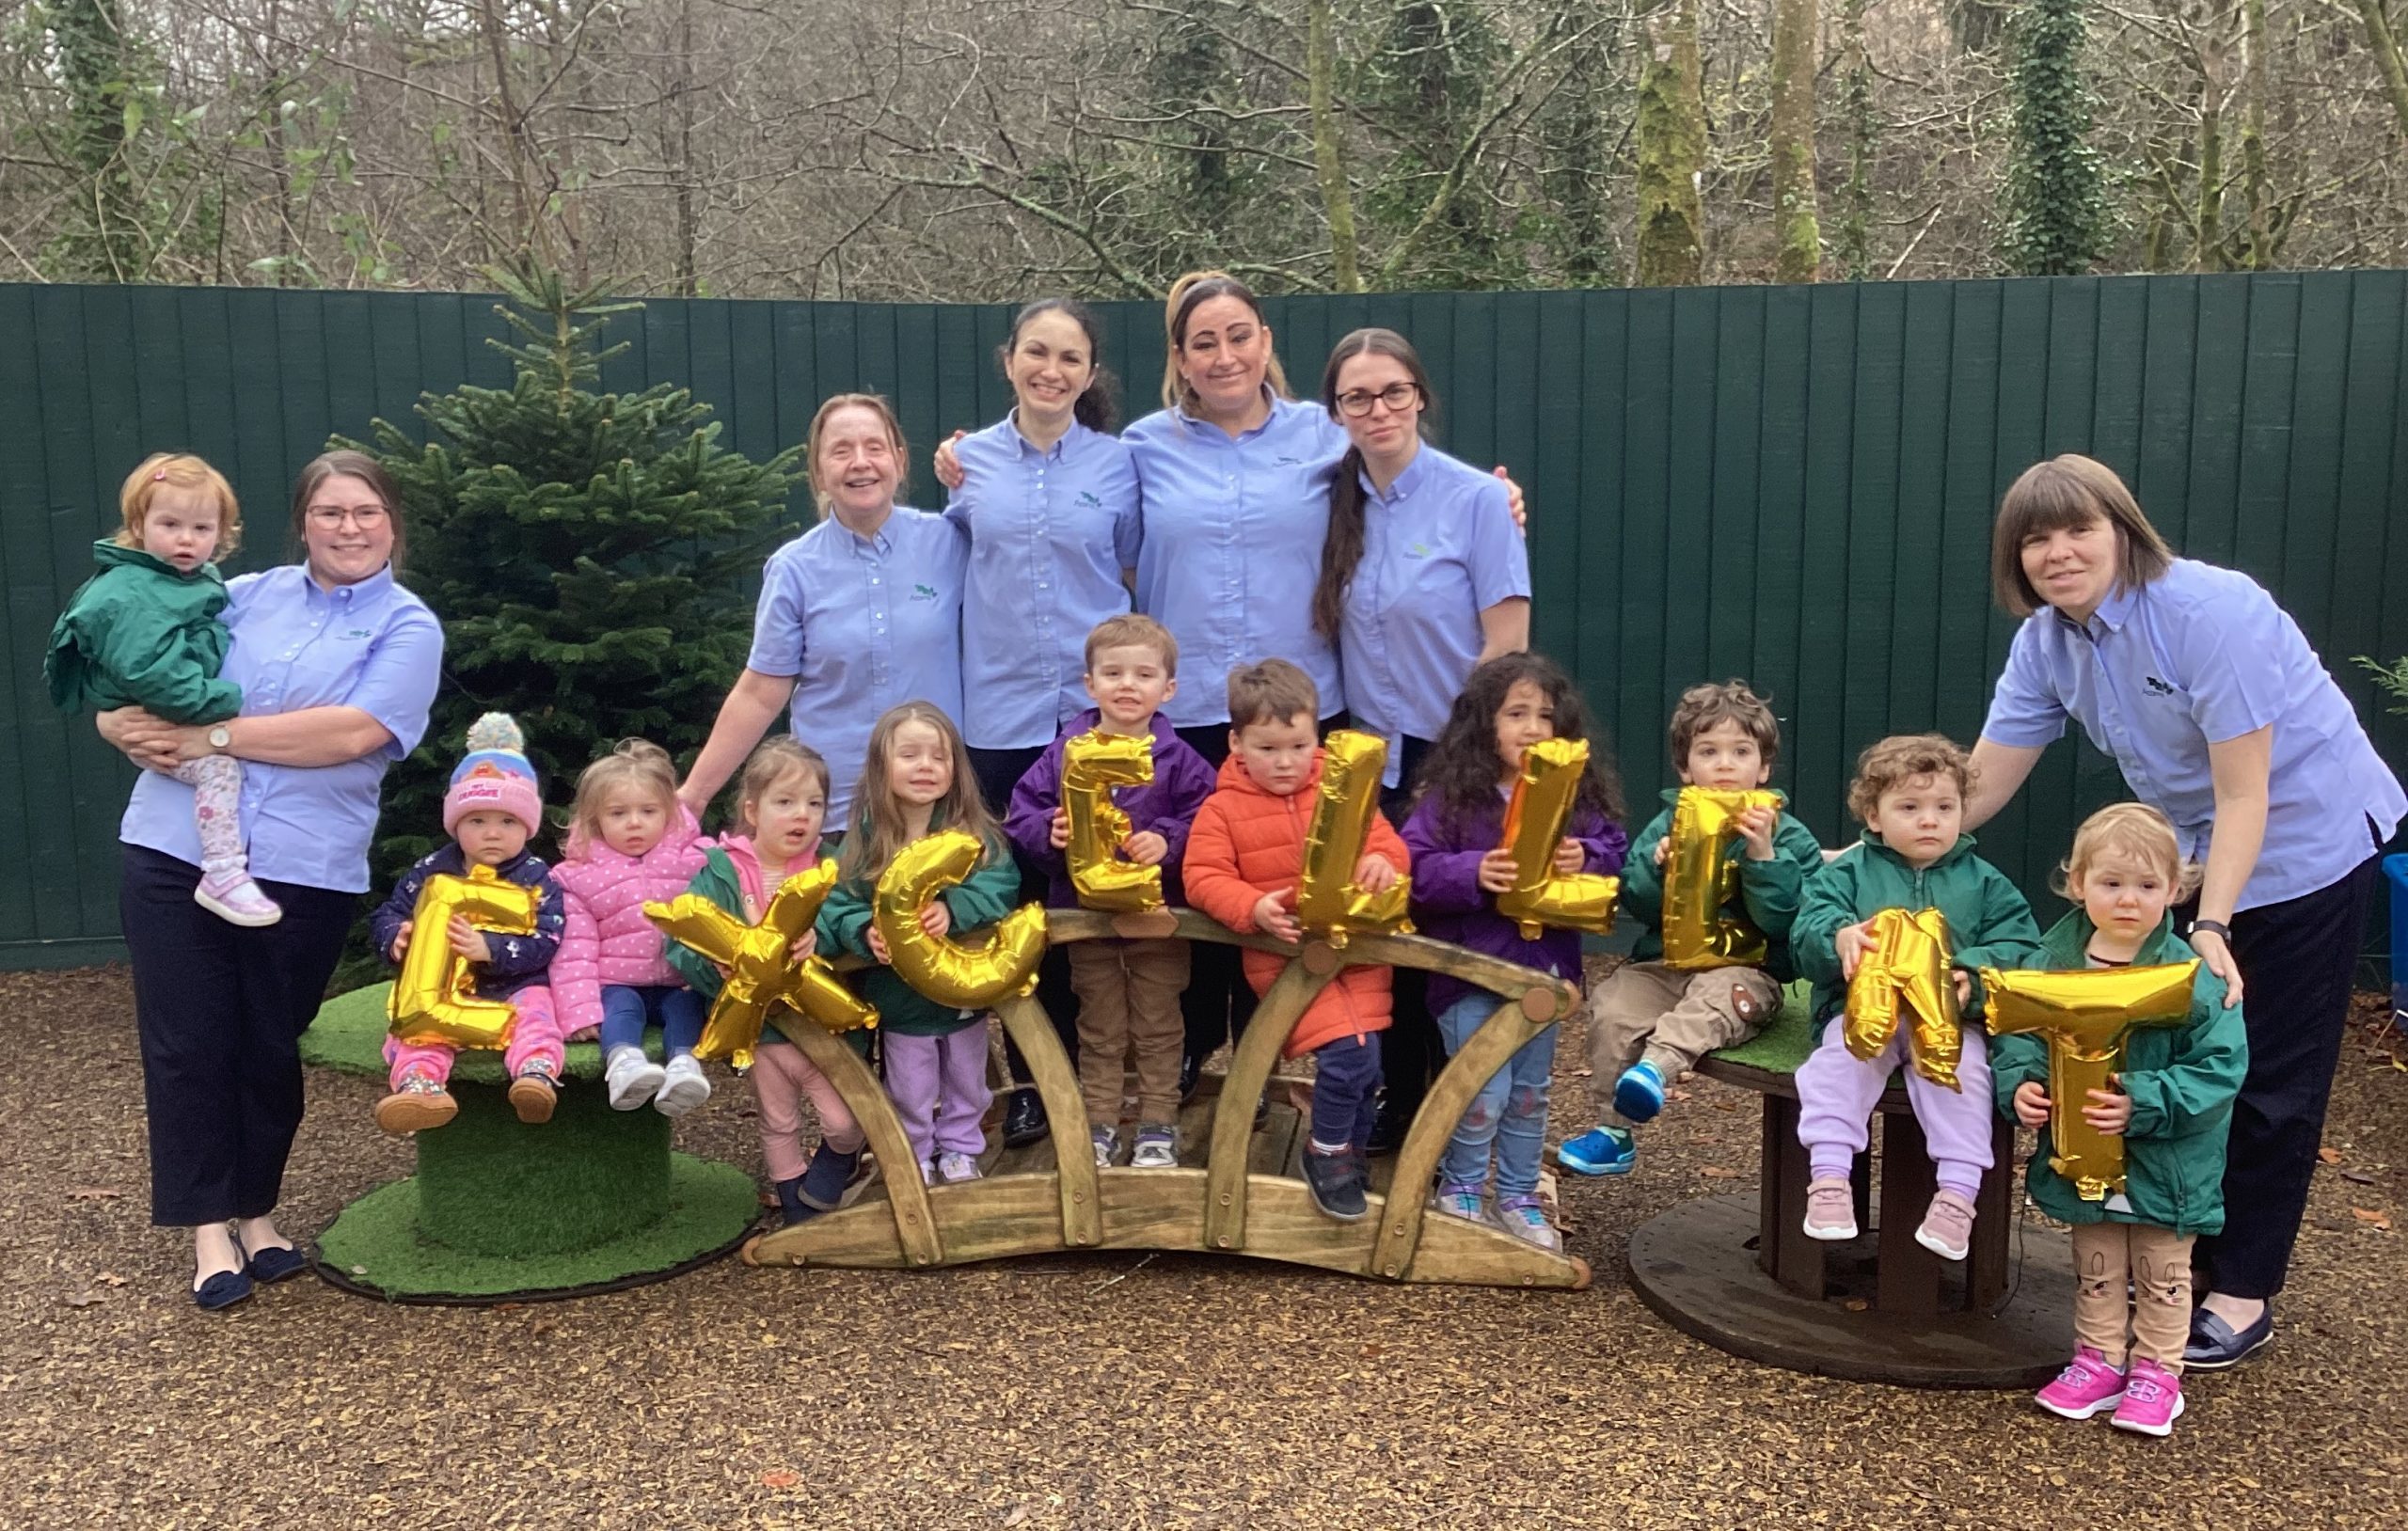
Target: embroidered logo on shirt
column 2156, row 687
column 361, row 632
column 923, row 592
column 1087, row 498
column 1416, row 550
column 1289, row 461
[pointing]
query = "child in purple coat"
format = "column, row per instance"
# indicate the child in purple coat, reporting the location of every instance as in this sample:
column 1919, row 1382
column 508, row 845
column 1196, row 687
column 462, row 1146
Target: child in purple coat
column 1454, row 833
column 1127, row 989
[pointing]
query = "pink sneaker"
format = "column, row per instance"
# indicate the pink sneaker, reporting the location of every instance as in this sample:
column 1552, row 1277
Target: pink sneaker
column 1831, row 1209
column 2087, row 1386
column 2152, row 1400
column 1947, row 1228
column 236, row 899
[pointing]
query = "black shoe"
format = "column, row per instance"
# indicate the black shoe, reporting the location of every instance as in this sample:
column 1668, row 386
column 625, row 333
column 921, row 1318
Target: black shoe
column 790, row 1201
column 1388, row 1131
column 222, row 1290
column 269, row 1266
column 824, row 1179
column 1330, row 1178
column 2216, row 1345
column 1024, row 1119
column 1191, row 1072
column 1361, row 1159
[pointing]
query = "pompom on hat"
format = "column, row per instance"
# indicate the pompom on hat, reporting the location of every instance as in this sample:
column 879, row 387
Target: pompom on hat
column 495, row 775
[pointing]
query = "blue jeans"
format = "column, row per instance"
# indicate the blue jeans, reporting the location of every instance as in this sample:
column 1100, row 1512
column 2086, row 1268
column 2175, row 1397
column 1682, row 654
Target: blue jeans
column 1346, row 1089
column 625, row 1010
column 1510, row 1111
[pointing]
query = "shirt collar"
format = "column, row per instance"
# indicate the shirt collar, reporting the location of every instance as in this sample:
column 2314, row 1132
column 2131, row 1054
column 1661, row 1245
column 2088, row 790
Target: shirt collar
column 1406, row 481
column 355, row 593
column 1057, row 452
column 1202, row 423
column 2112, row 614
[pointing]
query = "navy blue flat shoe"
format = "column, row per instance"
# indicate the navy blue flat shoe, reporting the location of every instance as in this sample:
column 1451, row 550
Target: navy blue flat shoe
column 222, row 1290
column 2215, row 1344
column 270, row 1266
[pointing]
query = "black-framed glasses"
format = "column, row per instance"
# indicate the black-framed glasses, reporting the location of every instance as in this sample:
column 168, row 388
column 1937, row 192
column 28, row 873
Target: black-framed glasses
column 1399, row 397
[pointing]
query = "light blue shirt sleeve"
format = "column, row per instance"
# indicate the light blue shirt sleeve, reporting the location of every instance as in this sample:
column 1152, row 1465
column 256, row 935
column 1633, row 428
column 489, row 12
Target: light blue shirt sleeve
column 2027, row 709
column 778, row 615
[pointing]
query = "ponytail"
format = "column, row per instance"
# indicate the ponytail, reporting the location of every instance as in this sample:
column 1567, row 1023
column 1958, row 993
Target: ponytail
column 1343, row 549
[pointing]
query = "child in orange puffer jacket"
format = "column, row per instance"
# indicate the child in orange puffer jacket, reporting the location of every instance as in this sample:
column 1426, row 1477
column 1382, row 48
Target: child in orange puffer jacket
column 1246, row 855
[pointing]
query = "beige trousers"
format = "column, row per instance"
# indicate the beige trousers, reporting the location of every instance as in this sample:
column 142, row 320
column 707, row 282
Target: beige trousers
column 2157, row 1317
column 1671, row 1018
column 1129, row 1003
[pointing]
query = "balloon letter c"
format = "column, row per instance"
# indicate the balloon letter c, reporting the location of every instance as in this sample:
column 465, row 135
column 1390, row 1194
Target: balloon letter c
column 434, row 998
column 945, row 969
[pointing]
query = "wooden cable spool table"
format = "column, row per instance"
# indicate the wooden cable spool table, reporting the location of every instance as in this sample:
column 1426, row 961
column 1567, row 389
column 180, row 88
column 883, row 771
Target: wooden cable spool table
column 1739, row 1272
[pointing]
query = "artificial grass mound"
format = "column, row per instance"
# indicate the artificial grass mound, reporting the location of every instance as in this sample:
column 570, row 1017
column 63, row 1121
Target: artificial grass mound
column 349, row 1036
column 500, row 1207
column 1785, row 1041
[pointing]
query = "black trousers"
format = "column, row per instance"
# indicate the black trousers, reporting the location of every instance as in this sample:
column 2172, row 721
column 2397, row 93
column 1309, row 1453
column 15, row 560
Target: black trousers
column 998, row 772
column 2298, row 959
column 1414, row 1052
column 221, row 1010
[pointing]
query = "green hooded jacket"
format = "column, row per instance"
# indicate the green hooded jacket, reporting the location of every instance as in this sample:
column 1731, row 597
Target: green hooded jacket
column 2182, row 1081
column 1769, row 891
column 720, row 882
column 1990, row 923
column 140, row 635
column 991, row 892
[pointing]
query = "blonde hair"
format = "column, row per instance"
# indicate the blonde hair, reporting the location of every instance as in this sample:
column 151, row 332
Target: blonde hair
column 878, row 833
column 779, row 756
column 1900, row 759
column 2137, row 831
column 1127, row 631
column 1272, row 692
column 177, row 470
column 1703, row 707
column 632, row 765
column 819, row 430
column 1187, row 294
column 2067, row 491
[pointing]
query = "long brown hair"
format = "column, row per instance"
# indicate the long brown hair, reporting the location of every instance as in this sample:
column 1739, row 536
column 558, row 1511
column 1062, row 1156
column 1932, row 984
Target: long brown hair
column 2067, row 491
column 1093, row 407
column 1186, row 296
column 878, row 833
column 346, row 464
column 1343, row 549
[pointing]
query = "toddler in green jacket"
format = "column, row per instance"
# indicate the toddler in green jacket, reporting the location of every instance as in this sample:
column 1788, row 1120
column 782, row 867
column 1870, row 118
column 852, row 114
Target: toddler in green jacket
column 2172, row 1104
column 147, row 631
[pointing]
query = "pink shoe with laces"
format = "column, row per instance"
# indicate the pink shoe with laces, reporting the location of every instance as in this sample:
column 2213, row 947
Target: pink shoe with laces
column 1947, row 1228
column 1831, row 1209
column 2087, row 1386
column 2152, row 1400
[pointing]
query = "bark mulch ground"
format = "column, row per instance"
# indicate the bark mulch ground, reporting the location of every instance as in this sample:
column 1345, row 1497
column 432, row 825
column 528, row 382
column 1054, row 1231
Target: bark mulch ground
column 1087, row 1391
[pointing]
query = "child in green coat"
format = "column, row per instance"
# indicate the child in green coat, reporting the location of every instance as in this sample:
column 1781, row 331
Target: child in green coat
column 914, row 784
column 2172, row 1104
column 147, row 631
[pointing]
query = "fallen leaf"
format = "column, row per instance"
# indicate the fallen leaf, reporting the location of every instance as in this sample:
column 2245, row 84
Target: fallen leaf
column 779, row 1478
column 1370, row 1352
column 1020, row 1513
column 110, row 1278
column 1857, row 1305
column 1716, row 1172
column 2357, row 1177
column 94, row 1193
column 2330, row 1156
column 2371, row 1219
column 1676, row 1095
column 82, row 1300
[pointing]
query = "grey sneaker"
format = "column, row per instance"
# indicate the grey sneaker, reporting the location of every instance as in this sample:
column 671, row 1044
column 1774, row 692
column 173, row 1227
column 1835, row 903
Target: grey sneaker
column 1157, row 1148
column 1461, row 1201
column 1522, row 1217
column 1831, row 1209
column 1107, row 1147
column 953, row 1169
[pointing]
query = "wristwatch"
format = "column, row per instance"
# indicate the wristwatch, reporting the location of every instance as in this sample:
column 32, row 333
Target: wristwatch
column 220, row 739
column 2214, row 927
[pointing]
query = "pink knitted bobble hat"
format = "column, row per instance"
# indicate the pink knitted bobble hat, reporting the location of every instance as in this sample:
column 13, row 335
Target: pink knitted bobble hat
column 495, row 774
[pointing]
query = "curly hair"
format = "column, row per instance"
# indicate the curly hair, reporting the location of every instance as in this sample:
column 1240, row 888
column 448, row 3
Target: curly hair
column 1461, row 768
column 1901, row 758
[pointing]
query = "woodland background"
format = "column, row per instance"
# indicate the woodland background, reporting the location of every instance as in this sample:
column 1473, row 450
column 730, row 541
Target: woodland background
column 981, row 150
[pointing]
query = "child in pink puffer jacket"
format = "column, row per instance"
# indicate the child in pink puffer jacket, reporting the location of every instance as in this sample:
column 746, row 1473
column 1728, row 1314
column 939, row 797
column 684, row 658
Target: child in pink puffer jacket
column 629, row 840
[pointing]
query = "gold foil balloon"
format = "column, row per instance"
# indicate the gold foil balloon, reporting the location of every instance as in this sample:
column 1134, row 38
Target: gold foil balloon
column 940, row 967
column 434, row 998
column 2085, row 1017
column 1701, row 878
column 1328, row 900
column 761, row 970
column 1905, row 979
column 1535, row 815
column 1092, row 764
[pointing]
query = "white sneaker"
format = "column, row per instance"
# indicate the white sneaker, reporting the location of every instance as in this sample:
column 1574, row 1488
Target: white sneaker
column 955, row 1168
column 631, row 1078
column 683, row 1087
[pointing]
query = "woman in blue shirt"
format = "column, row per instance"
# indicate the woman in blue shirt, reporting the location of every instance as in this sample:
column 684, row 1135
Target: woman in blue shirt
column 1050, row 500
column 1423, row 576
column 858, row 614
column 337, row 666
column 2219, row 714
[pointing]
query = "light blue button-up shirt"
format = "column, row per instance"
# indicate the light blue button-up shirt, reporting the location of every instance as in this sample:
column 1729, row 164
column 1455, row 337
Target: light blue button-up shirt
column 372, row 645
column 863, row 623
column 1050, row 532
column 2197, row 656
column 1234, row 533
column 1439, row 548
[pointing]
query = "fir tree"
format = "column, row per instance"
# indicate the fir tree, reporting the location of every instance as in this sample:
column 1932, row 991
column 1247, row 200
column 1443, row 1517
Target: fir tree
column 585, row 551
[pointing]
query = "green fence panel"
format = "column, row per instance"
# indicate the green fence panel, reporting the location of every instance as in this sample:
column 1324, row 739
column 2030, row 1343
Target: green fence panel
column 1794, row 484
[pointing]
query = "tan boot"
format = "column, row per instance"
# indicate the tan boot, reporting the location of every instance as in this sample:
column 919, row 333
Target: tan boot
column 417, row 1105
column 531, row 1096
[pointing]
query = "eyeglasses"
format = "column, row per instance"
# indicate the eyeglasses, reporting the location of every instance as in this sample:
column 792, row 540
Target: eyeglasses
column 331, row 517
column 1399, row 397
